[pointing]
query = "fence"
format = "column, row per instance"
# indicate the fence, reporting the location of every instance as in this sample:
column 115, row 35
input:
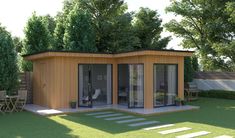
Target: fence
column 215, row 80
column 26, row 84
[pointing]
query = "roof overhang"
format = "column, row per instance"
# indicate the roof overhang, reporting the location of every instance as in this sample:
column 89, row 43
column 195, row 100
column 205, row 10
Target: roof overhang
column 73, row 54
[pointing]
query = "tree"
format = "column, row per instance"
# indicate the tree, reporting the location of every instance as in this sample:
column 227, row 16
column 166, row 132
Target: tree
column 122, row 36
column 8, row 62
column 226, row 49
column 60, row 20
column 112, row 25
column 147, row 26
column 18, row 43
column 188, row 70
column 194, row 62
column 79, row 32
column 37, row 38
column 203, row 24
column 50, row 23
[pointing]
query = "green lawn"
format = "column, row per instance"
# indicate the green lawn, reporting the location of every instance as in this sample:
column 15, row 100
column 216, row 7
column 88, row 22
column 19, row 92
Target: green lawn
column 216, row 116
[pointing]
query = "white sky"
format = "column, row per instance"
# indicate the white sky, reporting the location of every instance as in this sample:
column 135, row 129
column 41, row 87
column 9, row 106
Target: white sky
column 15, row 13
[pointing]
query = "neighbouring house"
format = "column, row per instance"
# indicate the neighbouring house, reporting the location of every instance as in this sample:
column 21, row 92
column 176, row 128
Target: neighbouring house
column 215, row 80
column 138, row 79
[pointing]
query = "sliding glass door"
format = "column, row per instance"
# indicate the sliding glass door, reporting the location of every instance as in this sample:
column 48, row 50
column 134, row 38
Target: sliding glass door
column 95, row 85
column 131, row 85
column 165, row 84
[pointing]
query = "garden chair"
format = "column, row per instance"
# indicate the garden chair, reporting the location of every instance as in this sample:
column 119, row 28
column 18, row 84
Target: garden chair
column 94, row 96
column 2, row 100
column 21, row 99
column 191, row 91
column 1, row 106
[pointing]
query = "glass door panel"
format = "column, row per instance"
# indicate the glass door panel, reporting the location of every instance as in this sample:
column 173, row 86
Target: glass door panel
column 85, row 86
column 172, row 87
column 123, row 84
column 95, row 85
column 159, row 85
column 165, row 84
column 136, row 86
column 131, row 85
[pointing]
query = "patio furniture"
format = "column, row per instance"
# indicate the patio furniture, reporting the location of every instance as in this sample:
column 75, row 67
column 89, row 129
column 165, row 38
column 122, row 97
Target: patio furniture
column 94, row 96
column 22, row 98
column 1, row 111
column 11, row 102
column 3, row 100
column 191, row 91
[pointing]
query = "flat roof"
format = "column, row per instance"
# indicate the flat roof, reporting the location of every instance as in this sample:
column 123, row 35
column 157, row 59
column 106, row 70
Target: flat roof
column 55, row 53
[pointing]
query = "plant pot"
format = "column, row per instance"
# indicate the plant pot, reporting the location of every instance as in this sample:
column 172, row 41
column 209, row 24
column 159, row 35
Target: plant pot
column 178, row 103
column 182, row 102
column 73, row 105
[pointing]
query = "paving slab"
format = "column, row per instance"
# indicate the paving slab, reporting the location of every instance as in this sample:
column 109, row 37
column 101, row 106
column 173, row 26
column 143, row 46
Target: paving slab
column 174, row 130
column 108, row 115
column 158, row 127
column 99, row 113
column 118, row 118
column 193, row 135
column 130, row 120
column 143, row 123
column 224, row 136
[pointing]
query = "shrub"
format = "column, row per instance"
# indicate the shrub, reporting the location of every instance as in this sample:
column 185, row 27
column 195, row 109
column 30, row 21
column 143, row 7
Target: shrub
column 222, row 94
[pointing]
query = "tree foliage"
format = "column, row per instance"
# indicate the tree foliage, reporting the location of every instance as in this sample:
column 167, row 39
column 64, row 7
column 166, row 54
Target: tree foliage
column 147, row 26
column 61, row 20
column 112, row 25
column 79, row 32
column 188, row 69
column 8, row 62
column 36, row 35
column 18, row 43
column 37, row 38
column 204, row 25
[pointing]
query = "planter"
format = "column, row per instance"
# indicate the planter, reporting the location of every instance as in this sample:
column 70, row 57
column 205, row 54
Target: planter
column 73, row 105
column 178, row 103
column 183, row 102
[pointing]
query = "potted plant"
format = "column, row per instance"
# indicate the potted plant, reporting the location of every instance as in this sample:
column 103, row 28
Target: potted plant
column 73, row 104
column 178, row 101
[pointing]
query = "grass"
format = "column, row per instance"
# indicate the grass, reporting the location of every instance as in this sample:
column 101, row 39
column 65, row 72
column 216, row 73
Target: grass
column 216, row 116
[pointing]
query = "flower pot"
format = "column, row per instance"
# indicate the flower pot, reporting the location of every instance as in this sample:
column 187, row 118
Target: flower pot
column 178, row 103
column 183, row 102
column 73, row 105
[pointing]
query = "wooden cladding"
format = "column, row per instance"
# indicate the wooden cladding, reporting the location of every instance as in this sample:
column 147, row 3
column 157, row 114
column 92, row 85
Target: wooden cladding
column 55, row 75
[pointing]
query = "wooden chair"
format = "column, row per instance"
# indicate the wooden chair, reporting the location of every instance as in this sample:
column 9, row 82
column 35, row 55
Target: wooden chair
column 3, row 100
column 21, row 100
column 191, row 91
column 1, row 106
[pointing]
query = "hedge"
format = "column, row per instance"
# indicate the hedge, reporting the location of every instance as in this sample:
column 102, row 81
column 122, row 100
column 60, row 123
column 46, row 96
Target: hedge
column 218, row 94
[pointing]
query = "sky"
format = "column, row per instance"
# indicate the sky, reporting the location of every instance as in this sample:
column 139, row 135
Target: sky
column 15, row 13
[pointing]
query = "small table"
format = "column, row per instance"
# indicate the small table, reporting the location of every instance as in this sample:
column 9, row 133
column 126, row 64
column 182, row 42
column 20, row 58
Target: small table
column 11, row 101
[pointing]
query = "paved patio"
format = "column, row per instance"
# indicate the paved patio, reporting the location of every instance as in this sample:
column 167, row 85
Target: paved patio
column 44, row 111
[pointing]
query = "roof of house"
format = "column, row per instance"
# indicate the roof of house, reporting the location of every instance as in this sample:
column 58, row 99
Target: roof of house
column 55, row 53
column 215, row 75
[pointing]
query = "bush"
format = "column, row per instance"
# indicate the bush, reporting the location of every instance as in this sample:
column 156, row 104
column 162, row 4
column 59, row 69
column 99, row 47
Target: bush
column 222, row 94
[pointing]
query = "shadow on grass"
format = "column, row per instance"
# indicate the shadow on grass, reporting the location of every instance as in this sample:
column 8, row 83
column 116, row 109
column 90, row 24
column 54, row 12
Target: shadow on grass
column 28, row 125
column 99, row 123
column 215, row 112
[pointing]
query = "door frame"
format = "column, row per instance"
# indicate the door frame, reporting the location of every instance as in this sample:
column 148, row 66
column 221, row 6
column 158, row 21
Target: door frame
column 177, row 83
column 90, row 93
